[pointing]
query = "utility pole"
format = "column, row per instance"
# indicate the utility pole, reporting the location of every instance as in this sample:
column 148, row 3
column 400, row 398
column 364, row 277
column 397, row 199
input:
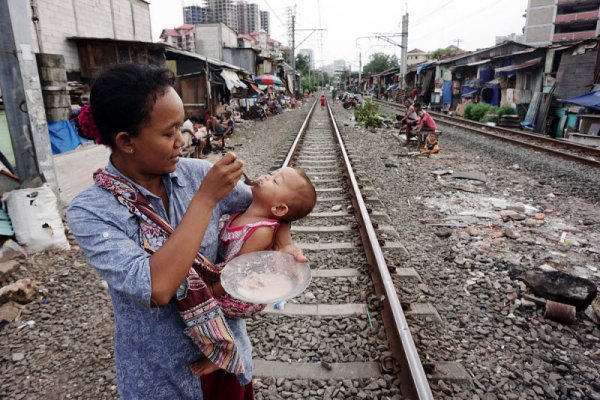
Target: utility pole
column 22, row 93
column 293, row 26
column 404, row 49
column 457, row 41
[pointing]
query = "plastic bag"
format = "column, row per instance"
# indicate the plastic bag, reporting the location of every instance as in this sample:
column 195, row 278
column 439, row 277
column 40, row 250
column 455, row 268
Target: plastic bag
column 35, row 218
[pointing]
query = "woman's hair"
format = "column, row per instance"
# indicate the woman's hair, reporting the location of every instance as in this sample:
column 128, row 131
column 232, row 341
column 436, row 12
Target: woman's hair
column 122, row 98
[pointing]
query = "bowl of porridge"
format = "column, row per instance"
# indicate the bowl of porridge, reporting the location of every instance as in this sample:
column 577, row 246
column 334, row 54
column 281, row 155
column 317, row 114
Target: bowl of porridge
column 265, row 277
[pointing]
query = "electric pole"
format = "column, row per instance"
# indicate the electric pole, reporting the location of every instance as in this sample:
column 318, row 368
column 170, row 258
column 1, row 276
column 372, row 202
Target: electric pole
column 404, row 49
column 457, row 41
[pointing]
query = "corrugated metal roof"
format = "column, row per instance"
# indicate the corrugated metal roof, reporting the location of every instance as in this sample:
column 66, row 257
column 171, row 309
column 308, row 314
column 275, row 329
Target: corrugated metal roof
column 205, row 58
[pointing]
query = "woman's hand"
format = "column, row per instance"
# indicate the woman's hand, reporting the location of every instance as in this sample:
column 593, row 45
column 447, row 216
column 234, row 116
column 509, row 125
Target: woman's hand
column 221, row 178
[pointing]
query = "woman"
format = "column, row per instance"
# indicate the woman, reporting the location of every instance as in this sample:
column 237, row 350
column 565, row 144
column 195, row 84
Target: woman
column 122, row 222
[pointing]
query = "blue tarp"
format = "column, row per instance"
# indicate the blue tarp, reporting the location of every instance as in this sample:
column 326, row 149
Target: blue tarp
column 63, row 136
column 590, row 100
column 422, row 67
column 447, row 92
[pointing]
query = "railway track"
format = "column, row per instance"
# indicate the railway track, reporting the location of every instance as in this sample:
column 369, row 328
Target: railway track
column 556, row 147
column 347, row 335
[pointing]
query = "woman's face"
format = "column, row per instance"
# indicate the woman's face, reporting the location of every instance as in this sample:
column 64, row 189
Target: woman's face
column 158, row 143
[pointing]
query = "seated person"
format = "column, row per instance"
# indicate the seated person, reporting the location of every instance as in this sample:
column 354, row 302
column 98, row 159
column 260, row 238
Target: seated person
column 221, row 129
column 431, row 145
column 411, row 118
column 285, row 195
column 200, row 136
column 425, row 123
column 187, row 131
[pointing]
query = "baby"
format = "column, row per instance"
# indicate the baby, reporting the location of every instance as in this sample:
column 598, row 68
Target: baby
column 431, row 145
column 285, row 195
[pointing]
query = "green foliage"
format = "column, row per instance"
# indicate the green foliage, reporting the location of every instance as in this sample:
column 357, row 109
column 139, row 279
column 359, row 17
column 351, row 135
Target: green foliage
column 441, row 52
column 380, row 62
column 506, row 110
column 477, row 111
column 367, row 114
column 302, row 64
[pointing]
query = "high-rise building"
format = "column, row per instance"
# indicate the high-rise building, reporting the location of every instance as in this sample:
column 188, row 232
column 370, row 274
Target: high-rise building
column 264, row 21
column 248, row 17
column 225, row 11
column 339, row 65
column 310, row 56
column 561, row 20
column 196, row 15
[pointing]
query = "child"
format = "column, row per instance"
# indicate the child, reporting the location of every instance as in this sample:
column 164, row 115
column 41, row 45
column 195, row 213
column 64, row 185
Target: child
column 285, row 195
column 431, row 145
column 322, row 102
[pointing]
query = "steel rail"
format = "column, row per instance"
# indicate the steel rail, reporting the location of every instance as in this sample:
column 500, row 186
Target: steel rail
column 299, row 135
column 419, row 384
column 487, row 131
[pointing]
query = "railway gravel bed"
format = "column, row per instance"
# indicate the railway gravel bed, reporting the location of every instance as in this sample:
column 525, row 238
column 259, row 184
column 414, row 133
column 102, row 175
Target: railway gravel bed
column 507, row 346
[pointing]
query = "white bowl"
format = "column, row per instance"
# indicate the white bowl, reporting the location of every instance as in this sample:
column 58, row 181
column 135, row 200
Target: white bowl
column 265, row 277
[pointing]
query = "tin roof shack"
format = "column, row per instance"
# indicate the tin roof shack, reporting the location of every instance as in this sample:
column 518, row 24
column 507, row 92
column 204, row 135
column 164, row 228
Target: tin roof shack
column 574, row 71
column 387, row 79
column 471, row 68
column 95, row 54
column 204, row 84
column 520, row 75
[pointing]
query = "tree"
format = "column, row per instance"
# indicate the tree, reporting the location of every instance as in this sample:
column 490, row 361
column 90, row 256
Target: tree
column 380, row 62
column 302, row 64
column 444, row 52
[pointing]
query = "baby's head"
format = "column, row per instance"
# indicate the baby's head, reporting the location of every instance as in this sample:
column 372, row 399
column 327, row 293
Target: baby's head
column 287, row 194
column 432, row 138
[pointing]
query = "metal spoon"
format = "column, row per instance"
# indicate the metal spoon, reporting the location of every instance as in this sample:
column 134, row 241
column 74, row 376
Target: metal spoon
column 248, row 181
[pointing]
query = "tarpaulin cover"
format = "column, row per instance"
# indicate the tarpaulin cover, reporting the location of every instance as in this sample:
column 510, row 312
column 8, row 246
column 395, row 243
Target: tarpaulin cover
column 232, row 80
column 447, row 92
column 422, row 67
column 63, row 136
column 486, row 74
column 590, row 100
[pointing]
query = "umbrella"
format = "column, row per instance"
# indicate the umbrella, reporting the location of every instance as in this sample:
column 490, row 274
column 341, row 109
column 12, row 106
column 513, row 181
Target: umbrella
column 267, row 80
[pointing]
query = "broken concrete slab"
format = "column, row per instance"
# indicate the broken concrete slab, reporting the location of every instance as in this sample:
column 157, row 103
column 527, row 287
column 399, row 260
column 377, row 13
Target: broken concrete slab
column 10, row 311
column 561, row 287
column 7, row 268
column 22, row 291
column 441, row 172
column 511, row 215
column 11, row 250
column 471, row 175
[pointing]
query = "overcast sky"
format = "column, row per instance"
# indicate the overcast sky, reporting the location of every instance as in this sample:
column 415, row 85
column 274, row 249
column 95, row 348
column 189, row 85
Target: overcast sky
column 432, row 23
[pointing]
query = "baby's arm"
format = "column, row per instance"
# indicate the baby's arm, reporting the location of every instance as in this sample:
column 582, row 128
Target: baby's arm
column 260, row 239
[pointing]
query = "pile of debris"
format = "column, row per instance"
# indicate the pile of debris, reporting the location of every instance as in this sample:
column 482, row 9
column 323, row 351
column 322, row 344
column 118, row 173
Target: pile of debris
column 549, row 257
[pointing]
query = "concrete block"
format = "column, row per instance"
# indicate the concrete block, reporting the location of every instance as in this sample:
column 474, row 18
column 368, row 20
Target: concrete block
column 57, row 114
column 56, row 99
column 7, row 268
column 52, row 76
column 50, row 60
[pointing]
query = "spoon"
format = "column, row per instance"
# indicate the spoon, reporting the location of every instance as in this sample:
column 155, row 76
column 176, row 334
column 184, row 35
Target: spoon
column 248, row 181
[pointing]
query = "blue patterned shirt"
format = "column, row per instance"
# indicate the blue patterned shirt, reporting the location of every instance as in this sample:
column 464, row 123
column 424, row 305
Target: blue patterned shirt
column 151, row 351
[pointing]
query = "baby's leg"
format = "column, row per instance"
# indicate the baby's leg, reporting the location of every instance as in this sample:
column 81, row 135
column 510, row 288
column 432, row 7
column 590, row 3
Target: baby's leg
column 203, row 367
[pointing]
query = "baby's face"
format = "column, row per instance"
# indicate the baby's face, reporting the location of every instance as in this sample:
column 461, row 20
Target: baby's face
column 278, row 186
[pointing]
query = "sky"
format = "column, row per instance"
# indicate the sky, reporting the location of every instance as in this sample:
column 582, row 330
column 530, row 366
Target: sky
column 472, row 24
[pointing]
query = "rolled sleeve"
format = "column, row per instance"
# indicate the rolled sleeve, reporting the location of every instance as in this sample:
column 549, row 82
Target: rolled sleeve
column 116, row 255
column 237, row 200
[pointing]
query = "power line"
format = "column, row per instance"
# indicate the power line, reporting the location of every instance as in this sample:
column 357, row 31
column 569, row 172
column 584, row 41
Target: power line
column 274, row 13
